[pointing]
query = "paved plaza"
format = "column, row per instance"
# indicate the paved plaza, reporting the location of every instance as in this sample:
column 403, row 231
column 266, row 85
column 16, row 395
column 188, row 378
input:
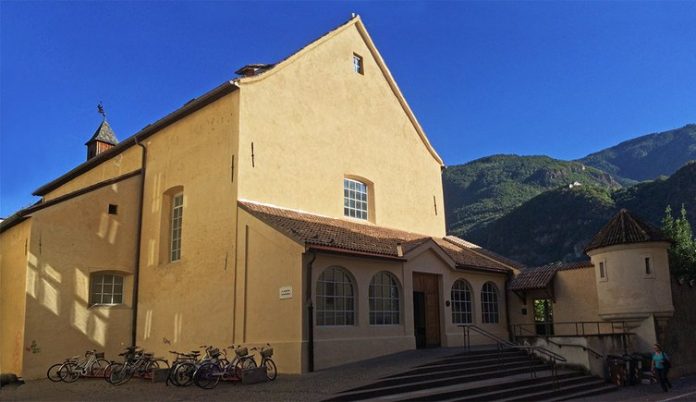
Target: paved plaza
column 306, row 388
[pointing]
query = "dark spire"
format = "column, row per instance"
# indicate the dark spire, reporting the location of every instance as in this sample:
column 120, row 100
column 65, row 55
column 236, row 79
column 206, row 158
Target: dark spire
column 103, row 138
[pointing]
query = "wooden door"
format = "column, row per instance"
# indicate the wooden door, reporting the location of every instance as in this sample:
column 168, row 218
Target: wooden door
column 428, row 308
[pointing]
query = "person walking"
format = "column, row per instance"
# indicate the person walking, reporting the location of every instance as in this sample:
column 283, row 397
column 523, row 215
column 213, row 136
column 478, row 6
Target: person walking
column 660, row 366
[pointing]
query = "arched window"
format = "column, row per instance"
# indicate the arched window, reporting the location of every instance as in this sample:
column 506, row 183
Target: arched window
column 335, row 298
column 489, row 303
column 461, row 302
column 384, row 299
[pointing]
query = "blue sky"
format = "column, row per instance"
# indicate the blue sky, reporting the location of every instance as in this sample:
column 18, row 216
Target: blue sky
column 562, row 79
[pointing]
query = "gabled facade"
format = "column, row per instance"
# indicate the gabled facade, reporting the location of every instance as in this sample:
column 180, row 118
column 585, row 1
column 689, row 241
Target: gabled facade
column 300, row 205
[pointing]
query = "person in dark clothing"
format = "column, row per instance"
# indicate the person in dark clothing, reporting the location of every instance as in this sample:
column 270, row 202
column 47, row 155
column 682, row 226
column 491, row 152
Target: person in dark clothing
column 660, row 367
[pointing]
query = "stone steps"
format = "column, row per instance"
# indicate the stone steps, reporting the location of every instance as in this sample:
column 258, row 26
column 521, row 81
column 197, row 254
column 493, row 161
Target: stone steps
column 482, row 375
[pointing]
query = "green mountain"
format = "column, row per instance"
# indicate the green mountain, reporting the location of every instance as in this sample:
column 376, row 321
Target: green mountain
column 481, row 191
column 553, row 226
column 556, row 225
column 647, row 157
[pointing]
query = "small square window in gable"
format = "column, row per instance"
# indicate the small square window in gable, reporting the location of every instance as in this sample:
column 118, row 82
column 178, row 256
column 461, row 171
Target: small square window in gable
column 113, row 209
column 358, row 66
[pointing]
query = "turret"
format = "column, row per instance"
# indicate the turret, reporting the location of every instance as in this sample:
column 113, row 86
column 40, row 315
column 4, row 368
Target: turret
column 631, row 270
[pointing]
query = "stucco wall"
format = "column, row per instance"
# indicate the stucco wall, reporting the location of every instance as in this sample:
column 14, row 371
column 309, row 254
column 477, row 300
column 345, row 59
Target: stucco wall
column 335, row 345
column 266, row 262
column 14, row 244
column 189, row 302
column 342, row 344
column 452, row 334
column 627, row 292
column 70, row 241
column 125, row 162
column 314, row 120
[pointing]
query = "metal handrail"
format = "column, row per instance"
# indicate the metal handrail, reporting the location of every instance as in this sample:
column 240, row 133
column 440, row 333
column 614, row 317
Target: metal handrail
column 581, row 327
column 593, row 352
column 501, row 343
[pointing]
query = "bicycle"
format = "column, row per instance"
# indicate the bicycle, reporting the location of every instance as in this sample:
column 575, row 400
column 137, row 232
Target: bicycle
column 72, row 368
column 129, row 355
column 183, row 368
column 143, row 365
column 209, row 374
column 271, row 371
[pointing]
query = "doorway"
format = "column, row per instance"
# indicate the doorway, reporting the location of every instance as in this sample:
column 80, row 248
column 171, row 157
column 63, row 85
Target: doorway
column 426, row 310
column 543, row 317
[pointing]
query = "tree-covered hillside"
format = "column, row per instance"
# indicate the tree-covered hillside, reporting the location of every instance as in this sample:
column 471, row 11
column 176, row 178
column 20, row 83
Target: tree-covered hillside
column 556, row 225
column 483, row 190
column 647, row 157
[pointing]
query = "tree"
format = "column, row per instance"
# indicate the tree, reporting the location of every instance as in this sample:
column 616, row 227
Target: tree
column 682, row 253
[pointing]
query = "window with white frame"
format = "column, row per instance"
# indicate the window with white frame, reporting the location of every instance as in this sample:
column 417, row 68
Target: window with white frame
column 355, row 199
column 176, row 220
column 489, row 303
column 105, row 289
column 335, row 298
column 461, row 302
column 384, row 299
column 358, row 64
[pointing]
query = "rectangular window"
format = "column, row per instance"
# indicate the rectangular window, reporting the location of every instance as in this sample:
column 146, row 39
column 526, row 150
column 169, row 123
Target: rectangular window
column 113, row 209
column 602, row 271
column 354, row 199
column 358, row 64
column 106, row 289
column 175, row 225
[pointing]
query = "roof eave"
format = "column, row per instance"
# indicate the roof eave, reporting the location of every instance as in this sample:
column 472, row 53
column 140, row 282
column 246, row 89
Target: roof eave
column 190, row 107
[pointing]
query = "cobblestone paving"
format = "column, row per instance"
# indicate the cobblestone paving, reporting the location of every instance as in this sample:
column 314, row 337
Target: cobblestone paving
column 306, row 388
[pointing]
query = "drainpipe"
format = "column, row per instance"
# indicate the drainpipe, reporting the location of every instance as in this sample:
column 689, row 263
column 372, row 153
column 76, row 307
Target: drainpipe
column 138, row 240
column 507, row 307
column 310, row 314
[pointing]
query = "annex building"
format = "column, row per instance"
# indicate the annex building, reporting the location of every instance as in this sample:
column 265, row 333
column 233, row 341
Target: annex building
column 299, row 204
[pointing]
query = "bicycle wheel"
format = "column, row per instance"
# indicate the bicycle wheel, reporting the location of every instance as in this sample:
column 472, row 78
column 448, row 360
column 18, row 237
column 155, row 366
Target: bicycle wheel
column 153, row 366
column 207, row 376
column 98, row 368
column 183, row 374
column 69, row 372
column 271, row 370
column 120, row 374
column 107, row 371
column 53, row 372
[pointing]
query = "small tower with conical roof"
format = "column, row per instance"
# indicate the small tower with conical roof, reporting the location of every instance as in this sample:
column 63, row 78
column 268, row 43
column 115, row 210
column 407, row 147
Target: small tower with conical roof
column 632, row 274
column 103, row 139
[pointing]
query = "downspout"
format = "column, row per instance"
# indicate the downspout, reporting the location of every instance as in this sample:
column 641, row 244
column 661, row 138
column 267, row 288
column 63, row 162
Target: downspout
column 507, row 306
column 310, row 314
column 138, row 240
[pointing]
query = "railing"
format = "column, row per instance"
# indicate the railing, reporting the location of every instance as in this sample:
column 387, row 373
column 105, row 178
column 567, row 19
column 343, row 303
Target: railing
column 572, row 328
column 581, row 328
column 501, row 344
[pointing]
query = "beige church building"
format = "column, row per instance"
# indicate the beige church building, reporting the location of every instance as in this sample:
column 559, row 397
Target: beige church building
column 300, row 204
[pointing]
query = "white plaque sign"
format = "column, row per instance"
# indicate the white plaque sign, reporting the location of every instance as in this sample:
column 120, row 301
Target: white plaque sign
column 285, row 292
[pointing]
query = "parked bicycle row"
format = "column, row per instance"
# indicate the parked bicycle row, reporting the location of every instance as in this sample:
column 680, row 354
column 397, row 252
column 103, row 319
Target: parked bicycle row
column 205, row 369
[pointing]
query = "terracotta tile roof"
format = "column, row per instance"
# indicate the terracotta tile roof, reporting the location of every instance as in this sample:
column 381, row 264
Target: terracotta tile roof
column 625, row 228
column 353, row 237
column 488, row 253
column 541, row 277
